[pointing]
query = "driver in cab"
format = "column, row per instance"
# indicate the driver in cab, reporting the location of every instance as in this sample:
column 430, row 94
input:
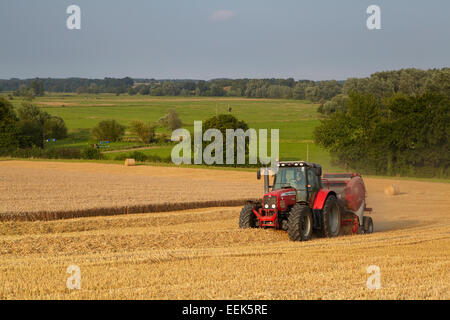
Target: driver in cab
column 299, row 182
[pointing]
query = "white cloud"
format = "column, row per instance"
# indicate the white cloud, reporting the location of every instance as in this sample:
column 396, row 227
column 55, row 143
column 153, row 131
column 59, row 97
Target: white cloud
column 221, row 15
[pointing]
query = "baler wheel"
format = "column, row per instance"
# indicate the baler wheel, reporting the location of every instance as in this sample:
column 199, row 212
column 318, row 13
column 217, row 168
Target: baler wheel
column 368, row 225
column 300, row 223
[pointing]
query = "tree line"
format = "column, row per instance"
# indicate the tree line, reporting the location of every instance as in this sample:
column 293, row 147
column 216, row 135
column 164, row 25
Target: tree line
column 37, row 86
column 381, row 84
column 391, row 123
column 398, row 135
column 384, row 84
column 251, row 88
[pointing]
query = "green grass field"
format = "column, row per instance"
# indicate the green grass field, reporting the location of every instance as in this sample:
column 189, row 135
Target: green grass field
column 296, row 119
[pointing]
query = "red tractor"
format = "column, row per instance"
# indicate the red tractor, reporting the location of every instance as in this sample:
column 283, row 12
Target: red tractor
column 301, row 201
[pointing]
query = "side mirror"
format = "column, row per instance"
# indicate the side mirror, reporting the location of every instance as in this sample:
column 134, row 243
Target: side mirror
column 318, row 171
column 258, row 174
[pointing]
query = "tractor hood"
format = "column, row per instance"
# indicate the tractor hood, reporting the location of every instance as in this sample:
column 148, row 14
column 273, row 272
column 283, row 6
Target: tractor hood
column 282, row 193
column 280, row 199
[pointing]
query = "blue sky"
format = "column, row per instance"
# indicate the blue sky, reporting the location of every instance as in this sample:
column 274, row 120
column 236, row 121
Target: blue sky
column 204, row 39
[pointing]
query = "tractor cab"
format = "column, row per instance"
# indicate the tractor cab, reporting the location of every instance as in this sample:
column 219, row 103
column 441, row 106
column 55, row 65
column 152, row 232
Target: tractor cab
column 302, row 178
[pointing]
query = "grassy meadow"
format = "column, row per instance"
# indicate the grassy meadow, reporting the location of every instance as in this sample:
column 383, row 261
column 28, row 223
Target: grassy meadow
column 296, row 119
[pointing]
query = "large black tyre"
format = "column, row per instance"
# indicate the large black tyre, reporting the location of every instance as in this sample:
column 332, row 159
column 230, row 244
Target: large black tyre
column 300, row 223
column 247, row 219
column 368, row 225
column 331, row 217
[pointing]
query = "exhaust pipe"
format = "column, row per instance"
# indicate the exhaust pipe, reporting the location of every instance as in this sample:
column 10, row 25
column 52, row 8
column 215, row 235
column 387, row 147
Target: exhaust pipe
column 266, row 180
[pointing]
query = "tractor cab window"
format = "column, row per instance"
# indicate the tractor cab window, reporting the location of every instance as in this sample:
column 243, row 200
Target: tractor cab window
column 311, row 180
column 290, row 177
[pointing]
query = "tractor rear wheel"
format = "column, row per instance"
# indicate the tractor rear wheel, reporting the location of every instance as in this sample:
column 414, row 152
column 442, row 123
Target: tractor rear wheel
column 331, row 217
column 247, row 219
column 368, row 224
column 300, row 223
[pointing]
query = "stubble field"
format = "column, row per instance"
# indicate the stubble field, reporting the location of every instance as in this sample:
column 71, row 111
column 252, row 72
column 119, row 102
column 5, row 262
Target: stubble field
column 34, row 190
column 201, row 253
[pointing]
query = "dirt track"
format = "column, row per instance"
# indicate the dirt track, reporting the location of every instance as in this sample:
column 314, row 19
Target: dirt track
column 202, row 254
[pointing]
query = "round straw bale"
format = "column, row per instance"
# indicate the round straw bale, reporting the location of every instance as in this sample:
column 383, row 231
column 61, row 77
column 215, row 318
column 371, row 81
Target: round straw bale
column 392, row 190
column 130, row 162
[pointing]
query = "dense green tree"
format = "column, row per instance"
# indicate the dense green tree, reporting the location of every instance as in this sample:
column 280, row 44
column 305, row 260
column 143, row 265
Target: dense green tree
column 143, row 89
column 25, row 92
column 8, row 126
column 299, row 91
column 36, row 125
column 93, row 89
column 108, row 130
column 419, row 131
column 31, row 134
column 55, row 128
column 338, row 103
column 349, row 135
column 222, row 122
column 329, row 89
column 312, row 93
column 37, row 88
column 439, row 82
column 168, row 89
column 157, row 91
column 277, row 91
column 408, row 81
column 380, row 88
column 235, row 92
column 202, row 88
column 32, row 122
column 144, row 131
column 216, row 91
column 356, row 85
column 402, row 135
column 253, row 86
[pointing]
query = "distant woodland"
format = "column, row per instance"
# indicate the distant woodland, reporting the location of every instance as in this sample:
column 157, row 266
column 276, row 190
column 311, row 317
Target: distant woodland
column 381, row 84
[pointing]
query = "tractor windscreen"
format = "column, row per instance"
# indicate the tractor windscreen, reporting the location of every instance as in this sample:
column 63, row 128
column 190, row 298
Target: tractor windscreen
column 290, row 177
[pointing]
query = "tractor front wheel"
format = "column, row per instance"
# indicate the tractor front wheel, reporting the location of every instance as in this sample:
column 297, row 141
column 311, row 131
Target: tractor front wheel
column 300, row 223
column 247, row 219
